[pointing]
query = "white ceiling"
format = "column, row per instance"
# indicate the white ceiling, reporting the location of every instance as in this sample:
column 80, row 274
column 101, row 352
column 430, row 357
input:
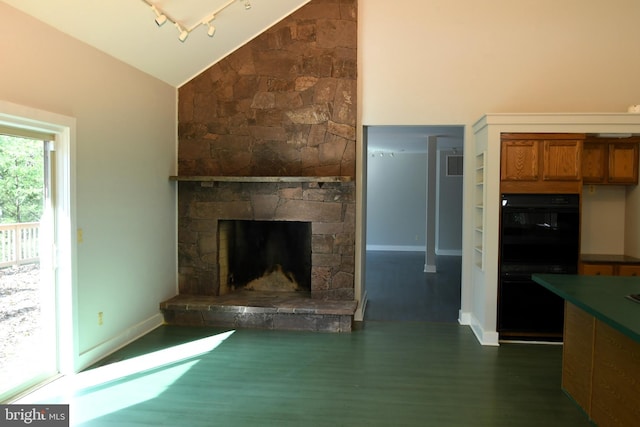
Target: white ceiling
column 126, row 29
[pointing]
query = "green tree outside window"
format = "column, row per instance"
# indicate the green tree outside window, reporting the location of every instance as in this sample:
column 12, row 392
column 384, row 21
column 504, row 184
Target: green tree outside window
column 21, row 179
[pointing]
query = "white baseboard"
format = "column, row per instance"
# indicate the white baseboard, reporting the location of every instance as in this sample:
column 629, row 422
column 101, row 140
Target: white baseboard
column 362, row 307
column 489, row 338
column 411, row 248
column 396, row 248
column 449, row 252
column 464, row 318
column 91, row 356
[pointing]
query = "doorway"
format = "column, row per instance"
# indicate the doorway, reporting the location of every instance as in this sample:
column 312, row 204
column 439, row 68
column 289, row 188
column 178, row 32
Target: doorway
column 52, row 305
column 413, row 236
column 28, row 320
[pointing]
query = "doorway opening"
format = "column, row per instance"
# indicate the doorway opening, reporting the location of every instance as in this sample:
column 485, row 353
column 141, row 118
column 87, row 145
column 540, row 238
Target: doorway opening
column 413, row 226
column 36, row 279
column 27, row 298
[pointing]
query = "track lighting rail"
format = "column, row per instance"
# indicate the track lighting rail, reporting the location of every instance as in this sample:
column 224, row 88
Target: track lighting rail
column 183, row 31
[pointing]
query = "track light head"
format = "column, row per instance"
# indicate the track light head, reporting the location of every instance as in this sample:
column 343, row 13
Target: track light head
column 161, row 18
column 247, row 5
column 211, row 30
column 183, row 33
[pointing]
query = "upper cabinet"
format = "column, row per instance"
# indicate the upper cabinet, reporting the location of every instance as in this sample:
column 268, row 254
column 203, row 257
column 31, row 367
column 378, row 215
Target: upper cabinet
column 541, row 162
column 610, row 161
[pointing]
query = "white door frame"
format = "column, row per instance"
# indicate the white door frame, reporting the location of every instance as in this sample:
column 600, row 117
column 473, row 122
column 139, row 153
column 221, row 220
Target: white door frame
column 63, row 168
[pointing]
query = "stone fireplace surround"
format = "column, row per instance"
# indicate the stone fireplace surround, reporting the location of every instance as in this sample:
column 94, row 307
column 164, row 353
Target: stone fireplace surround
column 269, row 133
column 328, row 206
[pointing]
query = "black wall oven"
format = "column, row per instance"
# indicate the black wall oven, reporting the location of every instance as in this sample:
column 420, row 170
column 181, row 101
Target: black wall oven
column 539, row 233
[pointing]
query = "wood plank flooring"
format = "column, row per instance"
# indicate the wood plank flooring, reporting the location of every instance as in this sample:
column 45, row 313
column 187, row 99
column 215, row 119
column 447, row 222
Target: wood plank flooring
column 382, row 374
column 398, row 289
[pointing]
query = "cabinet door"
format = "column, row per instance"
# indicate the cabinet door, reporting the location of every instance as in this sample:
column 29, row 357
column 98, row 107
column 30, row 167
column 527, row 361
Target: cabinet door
column 596, row 269
column 519, row 160
column 594, row 162
column 623, row 163
column 629, row 270
column 562, row 160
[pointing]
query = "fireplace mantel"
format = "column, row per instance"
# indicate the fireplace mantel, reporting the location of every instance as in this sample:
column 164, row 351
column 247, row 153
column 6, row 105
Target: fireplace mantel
column 261, row 178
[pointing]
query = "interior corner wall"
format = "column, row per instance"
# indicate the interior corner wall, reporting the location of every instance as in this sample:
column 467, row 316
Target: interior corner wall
column 125, row 149
column 451, row 62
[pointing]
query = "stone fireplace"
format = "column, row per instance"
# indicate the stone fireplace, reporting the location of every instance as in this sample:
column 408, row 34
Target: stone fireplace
column 325, row 209
column 268, row 135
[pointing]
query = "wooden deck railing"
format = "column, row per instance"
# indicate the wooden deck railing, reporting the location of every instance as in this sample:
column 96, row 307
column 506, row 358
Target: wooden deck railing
column 19, row 243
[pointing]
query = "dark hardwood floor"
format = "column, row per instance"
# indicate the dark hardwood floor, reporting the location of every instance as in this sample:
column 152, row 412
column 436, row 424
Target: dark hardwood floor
column 382, row 374
column 399, row 289
column 418, row 367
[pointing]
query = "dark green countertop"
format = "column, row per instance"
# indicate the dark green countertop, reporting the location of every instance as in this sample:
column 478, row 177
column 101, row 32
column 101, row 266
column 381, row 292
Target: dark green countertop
column 601, row 296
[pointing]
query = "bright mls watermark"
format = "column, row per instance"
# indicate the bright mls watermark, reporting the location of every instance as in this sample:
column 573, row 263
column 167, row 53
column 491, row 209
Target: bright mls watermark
column 34, row 415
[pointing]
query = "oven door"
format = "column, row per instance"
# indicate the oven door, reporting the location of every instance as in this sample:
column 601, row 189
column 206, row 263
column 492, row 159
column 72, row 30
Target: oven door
column 544, row 236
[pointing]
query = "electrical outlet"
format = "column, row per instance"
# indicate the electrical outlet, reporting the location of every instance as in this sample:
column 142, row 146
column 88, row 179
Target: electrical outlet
column 592, row 189
column 100, row 318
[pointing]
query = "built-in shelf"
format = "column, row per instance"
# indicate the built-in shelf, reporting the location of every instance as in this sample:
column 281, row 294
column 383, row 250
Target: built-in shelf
column 479, row 214
column 261, row 178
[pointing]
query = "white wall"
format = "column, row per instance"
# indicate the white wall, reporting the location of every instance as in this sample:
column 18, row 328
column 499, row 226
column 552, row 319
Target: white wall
column 125, row 151
column 449, row 209
column 397, row 202
column 603, row 219
column 451, row 61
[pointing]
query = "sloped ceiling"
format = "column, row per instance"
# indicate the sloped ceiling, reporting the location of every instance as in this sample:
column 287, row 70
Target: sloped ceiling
column 126, row 30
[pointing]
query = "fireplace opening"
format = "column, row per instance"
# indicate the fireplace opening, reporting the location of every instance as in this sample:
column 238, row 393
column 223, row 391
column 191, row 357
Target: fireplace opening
column 264, row 256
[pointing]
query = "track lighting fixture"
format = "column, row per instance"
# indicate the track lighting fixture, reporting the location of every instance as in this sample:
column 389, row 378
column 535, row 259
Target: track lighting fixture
column 162, row 18
column 183, row 33
column 211, row 30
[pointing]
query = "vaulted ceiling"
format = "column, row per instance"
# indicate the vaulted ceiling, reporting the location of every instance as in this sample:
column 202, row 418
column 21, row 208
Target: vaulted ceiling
column 126, row 29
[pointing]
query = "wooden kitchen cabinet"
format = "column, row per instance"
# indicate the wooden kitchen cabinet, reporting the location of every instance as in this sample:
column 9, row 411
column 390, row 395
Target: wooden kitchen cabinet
column 623, row 163
column 541, row 162
column 610, row 161
column 588, row 269
column 594, row 162
column 598, row 269
column 629, row 270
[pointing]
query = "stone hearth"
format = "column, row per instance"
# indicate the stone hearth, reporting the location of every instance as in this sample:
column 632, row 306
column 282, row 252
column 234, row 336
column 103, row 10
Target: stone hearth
column 261, row 310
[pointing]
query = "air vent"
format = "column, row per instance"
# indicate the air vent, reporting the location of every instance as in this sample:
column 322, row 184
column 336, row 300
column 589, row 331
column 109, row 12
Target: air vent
column 454, row 165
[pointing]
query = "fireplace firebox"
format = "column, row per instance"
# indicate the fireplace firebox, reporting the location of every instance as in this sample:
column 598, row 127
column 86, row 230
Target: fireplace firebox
column 264, row 256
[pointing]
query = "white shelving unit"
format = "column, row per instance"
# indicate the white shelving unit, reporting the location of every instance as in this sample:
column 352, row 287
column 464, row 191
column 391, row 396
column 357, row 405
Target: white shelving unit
column 478, row 233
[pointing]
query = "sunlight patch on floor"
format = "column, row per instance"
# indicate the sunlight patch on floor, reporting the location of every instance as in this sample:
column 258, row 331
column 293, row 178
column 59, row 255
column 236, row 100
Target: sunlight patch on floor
column 149, row 375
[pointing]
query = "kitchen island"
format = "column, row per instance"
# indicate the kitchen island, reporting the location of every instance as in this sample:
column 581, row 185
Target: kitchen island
column 601, row 352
